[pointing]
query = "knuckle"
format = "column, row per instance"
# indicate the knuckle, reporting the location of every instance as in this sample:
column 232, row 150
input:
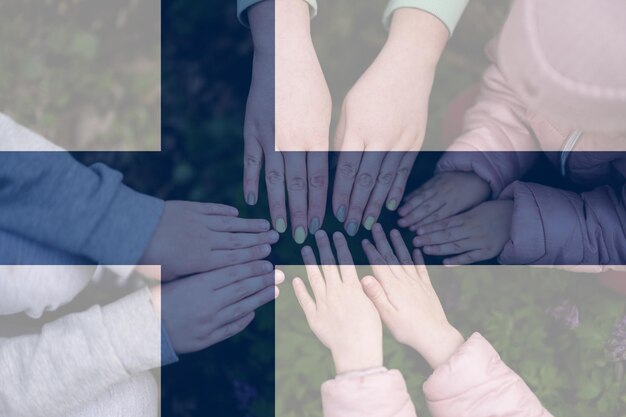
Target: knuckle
column 274, row 177
column 252, row 160
column 347, row 169
column 365, row 180
column 403, row 171
column 296, row 184
column 385, row 178
column 317, row 181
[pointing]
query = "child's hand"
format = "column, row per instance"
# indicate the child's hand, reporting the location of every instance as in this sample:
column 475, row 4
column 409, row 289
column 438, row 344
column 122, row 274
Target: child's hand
column 473, row 236
column 200, row 237
column 444, row 195
column 341, row 316
column 406, row 299
column 204, row 309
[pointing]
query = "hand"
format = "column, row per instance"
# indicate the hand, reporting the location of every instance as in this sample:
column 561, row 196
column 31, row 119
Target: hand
column 476, row 235
column 341, row 316
column 444, row 195
column 406, row 300
column 383, row 120
column 199, row 237
column 286, row 68
column 204, row 309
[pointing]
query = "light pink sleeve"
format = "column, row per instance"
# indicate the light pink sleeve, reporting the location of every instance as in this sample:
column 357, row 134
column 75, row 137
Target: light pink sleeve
column 476, row 383
column 496, row 143
column 381, row 394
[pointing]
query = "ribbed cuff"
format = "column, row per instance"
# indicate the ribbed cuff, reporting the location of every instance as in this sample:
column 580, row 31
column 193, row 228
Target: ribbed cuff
column 448, row 11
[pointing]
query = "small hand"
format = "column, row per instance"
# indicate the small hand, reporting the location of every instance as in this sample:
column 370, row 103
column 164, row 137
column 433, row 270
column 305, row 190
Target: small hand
column 476, row 235
column 444, row 195
column 287, row 119
column 204, row 309
column 406, row 300
column 198, row 237
column 341, row 315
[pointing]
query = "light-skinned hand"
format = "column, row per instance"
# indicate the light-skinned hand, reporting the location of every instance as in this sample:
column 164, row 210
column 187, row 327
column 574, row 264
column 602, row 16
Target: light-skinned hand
column 339, row 313
column 287, row 118
column 444, row 195
column 476, row 235
column 204, row 309
column 199, row 237
column 404, row 296
column 383, row 120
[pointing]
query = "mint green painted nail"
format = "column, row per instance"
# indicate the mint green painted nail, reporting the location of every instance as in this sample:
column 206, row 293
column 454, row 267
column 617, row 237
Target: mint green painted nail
column 281, row 226
column 341, row 214
column 369, row 222
column 314, row 226
column 392, row 205
column 352, row 228
column 300, row 235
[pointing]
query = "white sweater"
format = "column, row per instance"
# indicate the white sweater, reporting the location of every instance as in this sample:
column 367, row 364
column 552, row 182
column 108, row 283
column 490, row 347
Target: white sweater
column 85, row 364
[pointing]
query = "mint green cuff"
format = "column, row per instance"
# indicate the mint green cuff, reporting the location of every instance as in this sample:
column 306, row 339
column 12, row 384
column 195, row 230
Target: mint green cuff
column 243, row 5
column 448, row 11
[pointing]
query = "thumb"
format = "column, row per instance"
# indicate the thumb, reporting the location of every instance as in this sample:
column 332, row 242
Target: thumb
column 376, row 293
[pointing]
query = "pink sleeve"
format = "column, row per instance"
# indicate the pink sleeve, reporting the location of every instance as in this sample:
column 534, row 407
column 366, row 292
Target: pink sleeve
column 496, row 143
column 476, row 383
column 382, row 394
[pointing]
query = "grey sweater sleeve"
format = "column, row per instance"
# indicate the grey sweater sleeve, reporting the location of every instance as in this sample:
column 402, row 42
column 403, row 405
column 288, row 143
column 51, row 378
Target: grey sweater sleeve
column 78, row 357
column 51, row 198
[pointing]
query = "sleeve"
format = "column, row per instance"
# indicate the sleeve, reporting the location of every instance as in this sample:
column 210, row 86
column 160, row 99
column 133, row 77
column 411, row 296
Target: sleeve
column 496, row 143
column 476, row 383
column 556, row 227
column 78, row 357
column 448, row 11
column 243, row 5
column 52, row 199
column 377, row 394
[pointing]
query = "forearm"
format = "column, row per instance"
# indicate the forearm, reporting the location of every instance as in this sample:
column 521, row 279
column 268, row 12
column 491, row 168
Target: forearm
column 418, row 36
column 273, row 23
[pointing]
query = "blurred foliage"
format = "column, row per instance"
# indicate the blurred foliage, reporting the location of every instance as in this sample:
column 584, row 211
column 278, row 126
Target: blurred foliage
column 84, row 73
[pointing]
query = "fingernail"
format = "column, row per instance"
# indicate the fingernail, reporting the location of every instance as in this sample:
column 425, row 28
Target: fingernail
column 341, row 214
column 352, row 228
column 267, row 267
column 392, row 205
column 274, row 236
column 300, row 235
column 314, row 225
column 417, row 242
column 266, row 249
column 251, row 199
column 369, row 222
column 281, row 226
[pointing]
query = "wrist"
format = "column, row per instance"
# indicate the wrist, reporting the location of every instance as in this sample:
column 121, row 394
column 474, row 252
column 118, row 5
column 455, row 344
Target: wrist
column 441, row 346
column 417, row 33
column 358, row 360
